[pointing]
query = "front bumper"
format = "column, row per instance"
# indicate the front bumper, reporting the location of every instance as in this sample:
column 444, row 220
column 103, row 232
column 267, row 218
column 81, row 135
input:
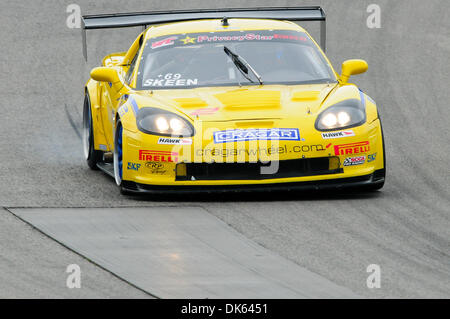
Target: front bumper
column 153, row 167
column 360, row 182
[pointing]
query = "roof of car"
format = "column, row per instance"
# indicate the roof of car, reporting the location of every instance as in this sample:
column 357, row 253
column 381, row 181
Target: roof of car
column 215, row 25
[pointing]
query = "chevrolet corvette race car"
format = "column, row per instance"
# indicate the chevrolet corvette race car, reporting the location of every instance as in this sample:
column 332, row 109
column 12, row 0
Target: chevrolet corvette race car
column 232, row 99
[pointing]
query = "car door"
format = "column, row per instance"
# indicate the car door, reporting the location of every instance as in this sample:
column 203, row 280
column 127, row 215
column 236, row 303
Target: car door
column 111, row 93
column 110, row 96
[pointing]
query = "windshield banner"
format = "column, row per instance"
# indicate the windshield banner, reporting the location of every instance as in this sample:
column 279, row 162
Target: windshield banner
column 227, row 36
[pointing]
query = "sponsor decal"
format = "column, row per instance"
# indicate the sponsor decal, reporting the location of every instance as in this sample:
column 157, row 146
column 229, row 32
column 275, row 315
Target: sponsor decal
column 103, row 147
column 134, row 105
column 340, row 134
column 230, row 36
column 281, row 134
column 154, row 165
column 123, row 110
column 351, row 161
column 187, row 40
column 158, row 156
column 261, row 151
column 371, row 157
column 155, row 168
column 352, row 148
column 205, row 111
column 164, row 42
column 133, row 166
column 290, row 37
column 308, row 148
column 244, row 37
column 174, row 141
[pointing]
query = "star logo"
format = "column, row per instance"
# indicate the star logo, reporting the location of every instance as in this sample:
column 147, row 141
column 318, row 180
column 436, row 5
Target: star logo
column 188, row 40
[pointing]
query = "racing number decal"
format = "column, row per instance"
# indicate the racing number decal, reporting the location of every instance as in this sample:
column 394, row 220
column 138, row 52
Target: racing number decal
column 170, row 79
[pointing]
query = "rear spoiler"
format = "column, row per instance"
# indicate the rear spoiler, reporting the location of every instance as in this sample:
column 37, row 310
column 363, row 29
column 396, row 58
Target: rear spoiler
column 144, row 19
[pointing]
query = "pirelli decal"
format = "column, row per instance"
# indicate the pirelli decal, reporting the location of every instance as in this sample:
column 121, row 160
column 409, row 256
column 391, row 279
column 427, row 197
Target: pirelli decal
column 158, row 156
column 352, row 148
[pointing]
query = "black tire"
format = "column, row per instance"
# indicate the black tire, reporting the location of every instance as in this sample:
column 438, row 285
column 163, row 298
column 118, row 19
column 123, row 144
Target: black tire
column 91, row 155
column 118, row 155
column 118, row 160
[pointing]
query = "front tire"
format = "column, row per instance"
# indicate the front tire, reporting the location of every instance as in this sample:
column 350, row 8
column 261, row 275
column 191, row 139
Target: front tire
column 118, row 153
column 91, row 155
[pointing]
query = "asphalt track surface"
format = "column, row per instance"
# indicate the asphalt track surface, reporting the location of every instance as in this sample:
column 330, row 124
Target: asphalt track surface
column 179, row 252
column 404, row 228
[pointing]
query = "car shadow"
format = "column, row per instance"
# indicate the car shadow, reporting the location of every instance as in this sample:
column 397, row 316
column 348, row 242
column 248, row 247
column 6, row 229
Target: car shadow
column 261, row 196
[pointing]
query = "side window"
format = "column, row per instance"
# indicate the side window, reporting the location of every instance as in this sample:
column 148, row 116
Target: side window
column 129, row 76
column 131, row 69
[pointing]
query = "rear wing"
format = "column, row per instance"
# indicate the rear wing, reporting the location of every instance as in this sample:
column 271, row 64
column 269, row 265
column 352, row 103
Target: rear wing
column 145, row 19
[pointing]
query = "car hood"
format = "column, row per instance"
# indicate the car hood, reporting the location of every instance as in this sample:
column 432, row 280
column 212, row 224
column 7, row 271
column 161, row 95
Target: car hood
column 217, row 104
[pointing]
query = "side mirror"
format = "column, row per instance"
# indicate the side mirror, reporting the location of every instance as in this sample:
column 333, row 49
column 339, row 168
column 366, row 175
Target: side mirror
column 352, row 67
column 103, row 74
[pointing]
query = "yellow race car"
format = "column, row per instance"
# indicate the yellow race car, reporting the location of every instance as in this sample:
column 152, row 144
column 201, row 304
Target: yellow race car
column 228, row 100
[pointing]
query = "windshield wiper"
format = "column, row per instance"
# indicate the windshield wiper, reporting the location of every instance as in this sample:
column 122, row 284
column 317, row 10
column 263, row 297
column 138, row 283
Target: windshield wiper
column 242, row 65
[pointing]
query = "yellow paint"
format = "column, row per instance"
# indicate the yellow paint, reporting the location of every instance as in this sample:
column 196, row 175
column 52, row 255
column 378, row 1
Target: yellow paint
column 253, row 106
column 247, row 99
column 190, row 102
column 352, row 67
column 305, row 96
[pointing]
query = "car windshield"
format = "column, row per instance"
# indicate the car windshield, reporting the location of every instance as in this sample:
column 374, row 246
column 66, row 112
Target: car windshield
column 198, row 60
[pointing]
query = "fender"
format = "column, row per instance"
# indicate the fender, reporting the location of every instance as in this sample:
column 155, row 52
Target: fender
column 371, row 109
column 351, row 91
column 341, row 93
column 100, row 142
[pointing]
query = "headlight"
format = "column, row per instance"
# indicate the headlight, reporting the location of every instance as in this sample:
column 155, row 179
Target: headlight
column 160, row 122
column 345, row 114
